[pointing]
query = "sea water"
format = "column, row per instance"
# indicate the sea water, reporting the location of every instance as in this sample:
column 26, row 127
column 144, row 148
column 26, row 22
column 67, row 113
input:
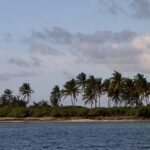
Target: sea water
column 75, row 136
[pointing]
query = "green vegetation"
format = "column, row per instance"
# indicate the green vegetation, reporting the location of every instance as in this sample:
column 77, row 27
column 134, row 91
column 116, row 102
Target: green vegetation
column 125, row 97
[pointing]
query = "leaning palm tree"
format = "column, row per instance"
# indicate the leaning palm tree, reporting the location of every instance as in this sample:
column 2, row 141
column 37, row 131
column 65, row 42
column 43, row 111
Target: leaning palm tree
column 25, row 91
column 71, row 89
column 55, row 97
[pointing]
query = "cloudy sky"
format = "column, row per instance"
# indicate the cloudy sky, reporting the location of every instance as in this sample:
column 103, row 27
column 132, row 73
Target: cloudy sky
column 46, row 42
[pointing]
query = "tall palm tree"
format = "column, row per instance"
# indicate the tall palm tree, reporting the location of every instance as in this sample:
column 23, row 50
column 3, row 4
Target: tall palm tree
column 99, row 88
column 25, row 91
column 89, row 96
column 141, row 87
column 106, row 90
column 90, row 92
column 147, row 93
column 55, row 96
column 116, row 87
column 128, row 93
column 71, row 89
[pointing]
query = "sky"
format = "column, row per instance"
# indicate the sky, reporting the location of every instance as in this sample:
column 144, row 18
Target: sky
column 47, row 42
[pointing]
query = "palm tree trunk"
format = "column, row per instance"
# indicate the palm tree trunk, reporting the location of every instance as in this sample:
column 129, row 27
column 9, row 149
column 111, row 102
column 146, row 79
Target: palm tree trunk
column 28, row 99
column 95, row 103
column 146, row 101
column 99, row 102
column 108, row 102
column 71, row 101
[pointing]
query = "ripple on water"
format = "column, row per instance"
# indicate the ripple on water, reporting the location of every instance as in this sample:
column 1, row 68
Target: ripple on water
column 75, row 136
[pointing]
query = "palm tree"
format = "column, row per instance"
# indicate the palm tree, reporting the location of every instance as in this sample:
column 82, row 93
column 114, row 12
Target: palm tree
column 81, row 80
column 8, row 94
column 90, row 92
column 26, row 91
column 89, row 95
column 106, row 90
column 147, row 93
column 55, row 96
column 6, row 98
column 115, row 87
column 98, row 88
column 71, row 89
column 128, row 94
column 141, row 87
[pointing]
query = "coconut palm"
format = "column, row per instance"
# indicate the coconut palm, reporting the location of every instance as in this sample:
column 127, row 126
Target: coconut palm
column 8, row 95
column 55, row 96
column 6, row 98
column 26, row 91
column 106, row 90
column 99, row 88
column 71, row 89
column 147, row 93
column 128, row 94
column 116, row 87
column 141, row 87
column 81, row 80
column 90, row 93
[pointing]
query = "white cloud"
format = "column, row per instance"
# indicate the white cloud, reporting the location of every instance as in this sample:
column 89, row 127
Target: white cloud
column 142, row 42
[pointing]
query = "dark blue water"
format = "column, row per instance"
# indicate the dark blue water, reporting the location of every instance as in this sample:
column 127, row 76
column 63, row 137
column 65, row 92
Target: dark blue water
column 75, row 136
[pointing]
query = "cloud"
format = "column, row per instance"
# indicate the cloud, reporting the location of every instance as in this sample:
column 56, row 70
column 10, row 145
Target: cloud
column 142, row 43
column 44, row 49
column 139, row 9
column 58, row 35
column 9, row 76
column 124, row 50
column 111, row 6
column 32, row 62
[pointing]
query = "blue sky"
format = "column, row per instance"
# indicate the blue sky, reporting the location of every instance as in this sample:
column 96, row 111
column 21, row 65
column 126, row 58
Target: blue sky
column 48, row 42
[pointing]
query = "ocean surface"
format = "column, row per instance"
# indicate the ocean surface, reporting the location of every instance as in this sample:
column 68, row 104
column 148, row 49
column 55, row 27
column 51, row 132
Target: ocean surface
column 75, row 136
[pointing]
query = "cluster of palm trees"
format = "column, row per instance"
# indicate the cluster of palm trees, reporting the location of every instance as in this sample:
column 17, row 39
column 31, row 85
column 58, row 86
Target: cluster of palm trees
column 120, row 91
column 25, row 91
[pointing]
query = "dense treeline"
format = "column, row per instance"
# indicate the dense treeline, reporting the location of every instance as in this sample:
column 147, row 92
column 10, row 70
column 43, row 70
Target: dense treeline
column 120, row 91
column 125, row 97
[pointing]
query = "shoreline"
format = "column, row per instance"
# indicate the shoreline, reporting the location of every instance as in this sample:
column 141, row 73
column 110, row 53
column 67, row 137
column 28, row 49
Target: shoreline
column 73, row 119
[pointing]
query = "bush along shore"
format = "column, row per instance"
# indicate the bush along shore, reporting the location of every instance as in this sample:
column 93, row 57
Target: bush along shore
column 126, row 98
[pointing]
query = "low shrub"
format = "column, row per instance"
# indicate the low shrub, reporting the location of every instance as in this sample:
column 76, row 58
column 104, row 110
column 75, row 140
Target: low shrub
column 40, row 111
column 19, row 112
column 4, row 111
